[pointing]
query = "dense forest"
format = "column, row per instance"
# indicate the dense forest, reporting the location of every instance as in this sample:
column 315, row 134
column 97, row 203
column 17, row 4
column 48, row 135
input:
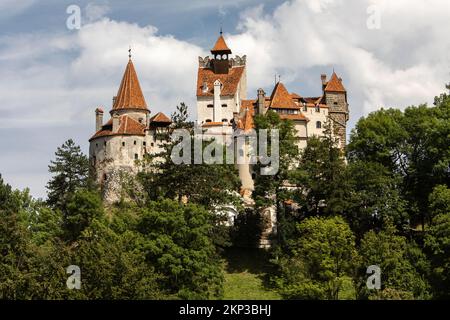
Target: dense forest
column 385, row 202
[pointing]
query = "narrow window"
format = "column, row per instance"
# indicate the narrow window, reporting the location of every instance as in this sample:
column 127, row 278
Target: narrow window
column 224, row 105
column 136, row 156
column 224, row 120
column 123, row 144
column 317, row 108
column 152, row 144
column 144, row 143
column 318, row 125
column 210, row 106
column 134, row 142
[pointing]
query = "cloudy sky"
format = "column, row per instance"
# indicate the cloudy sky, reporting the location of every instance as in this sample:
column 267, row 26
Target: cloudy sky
column 389, row 54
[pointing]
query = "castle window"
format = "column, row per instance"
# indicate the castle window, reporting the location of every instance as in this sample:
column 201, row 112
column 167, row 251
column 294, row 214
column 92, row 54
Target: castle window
column 141, row 120
column 317, row 108
column 208, row 120
column 123, row 144
column 152, row 144
column 134, row 142
column 96, row 145
column 335, row 103
column 104, row 143
column 105, row 177
column 210, row 106
column 318, row 125
column 136, row 156
column 224, row 105
column 144, row 143
column 224, row 120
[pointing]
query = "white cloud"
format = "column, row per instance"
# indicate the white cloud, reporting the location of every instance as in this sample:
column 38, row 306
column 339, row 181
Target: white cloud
column 405, row 62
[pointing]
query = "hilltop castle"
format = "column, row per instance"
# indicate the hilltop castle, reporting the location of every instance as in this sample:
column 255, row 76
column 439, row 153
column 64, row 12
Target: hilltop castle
column 222, row 108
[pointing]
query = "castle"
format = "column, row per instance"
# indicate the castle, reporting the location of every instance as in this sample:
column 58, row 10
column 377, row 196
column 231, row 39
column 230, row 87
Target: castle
column 222, row 109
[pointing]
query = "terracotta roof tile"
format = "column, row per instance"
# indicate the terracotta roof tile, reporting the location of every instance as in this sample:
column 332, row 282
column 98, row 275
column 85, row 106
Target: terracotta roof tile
column 160, row 117
column 127, row 126
column 130, row 94
column 214, row 124
column 335, row 84
column 281, row 99
column 229, row 81
column 220, row 46
column 295, row 117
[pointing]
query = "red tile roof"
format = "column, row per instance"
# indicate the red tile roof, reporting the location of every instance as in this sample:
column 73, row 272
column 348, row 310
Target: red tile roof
column 281, row 99
column 214, row 124
column 130, row 94
column 160, row 117
column 248, row 109
column 220, row 46
column 294, row 117
column 229, row 81
column 334, row 85
column 127, row 126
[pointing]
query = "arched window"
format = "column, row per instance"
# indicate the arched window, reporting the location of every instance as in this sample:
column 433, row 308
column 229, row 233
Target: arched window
column 224, row 57
column 318, row 125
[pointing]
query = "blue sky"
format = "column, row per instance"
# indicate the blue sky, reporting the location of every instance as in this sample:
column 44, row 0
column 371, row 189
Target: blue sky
column 53, row 78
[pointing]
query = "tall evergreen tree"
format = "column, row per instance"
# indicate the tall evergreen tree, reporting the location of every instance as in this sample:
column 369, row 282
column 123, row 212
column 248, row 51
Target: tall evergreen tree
column 70, row 172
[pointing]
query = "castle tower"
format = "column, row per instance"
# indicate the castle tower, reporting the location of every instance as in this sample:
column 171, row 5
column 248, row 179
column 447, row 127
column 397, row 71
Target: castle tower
column 119, row 144
column 335, row 97
column 221, row 85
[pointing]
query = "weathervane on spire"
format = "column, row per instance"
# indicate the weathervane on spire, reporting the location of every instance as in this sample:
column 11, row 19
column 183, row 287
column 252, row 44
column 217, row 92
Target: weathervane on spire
column 221, row 28
column 129, row 53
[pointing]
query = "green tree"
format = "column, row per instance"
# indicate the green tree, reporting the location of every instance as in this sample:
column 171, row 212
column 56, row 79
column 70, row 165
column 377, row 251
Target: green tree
column 322, row 187
column 82, row 208
column 177, row 241
column 437, row 246
column 403, row 265
column 373, row 195
column 70, row 172
column 322, row 257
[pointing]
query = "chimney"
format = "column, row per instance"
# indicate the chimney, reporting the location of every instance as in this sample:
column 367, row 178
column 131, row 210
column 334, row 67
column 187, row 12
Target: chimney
column 98, row 119
column 217, row 103
column 261, row 100
column 323, row 77
column 115, row 123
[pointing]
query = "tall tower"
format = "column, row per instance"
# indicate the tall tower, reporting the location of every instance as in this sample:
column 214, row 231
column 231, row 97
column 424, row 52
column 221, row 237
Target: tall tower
column 336, row 100
column 221, row 85
column 119, row 144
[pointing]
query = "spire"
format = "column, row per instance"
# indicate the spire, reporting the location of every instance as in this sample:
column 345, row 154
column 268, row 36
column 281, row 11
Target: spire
column 130, row 94
column 281, row 98
column 220, row 46
column 335, row 84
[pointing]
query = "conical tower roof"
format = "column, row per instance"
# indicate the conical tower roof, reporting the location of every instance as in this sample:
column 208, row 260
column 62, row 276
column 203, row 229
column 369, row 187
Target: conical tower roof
column 220, row 46
column 130, row 94
column 335, row 84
